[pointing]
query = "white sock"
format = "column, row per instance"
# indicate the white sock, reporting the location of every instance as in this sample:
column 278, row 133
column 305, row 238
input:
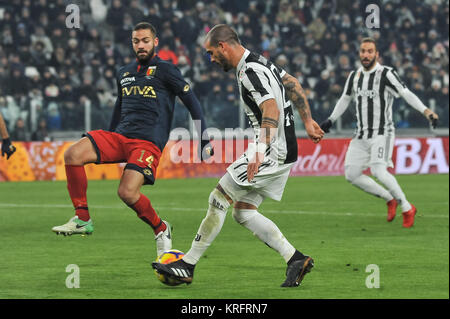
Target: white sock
column 265, row 230
column 209, row 228
column 381, row 173
column 355, row 176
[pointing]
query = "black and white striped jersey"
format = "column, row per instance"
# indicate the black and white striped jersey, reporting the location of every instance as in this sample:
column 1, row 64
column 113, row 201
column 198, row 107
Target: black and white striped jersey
column 373, row 93
column 260, row 80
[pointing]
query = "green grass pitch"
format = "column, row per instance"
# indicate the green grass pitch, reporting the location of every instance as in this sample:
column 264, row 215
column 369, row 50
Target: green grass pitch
column 342, row 228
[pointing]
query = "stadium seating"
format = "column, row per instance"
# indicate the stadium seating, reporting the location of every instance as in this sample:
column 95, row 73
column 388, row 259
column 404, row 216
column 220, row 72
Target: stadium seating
column 52, row 73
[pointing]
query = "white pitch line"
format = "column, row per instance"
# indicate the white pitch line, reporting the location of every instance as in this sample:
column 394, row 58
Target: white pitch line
column 172, row 208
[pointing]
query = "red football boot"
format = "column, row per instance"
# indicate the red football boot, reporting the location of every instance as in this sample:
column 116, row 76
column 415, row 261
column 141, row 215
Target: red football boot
column 408, row 217
column 392, row 207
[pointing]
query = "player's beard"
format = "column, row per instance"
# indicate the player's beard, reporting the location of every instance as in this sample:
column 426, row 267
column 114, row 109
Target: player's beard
column 144, row 59
column 369, row 65
column 226, row 66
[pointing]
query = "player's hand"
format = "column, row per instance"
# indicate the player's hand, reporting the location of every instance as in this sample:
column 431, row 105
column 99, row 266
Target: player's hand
column 314, row 131
column 432, row 117
column 207, row 150
column 326, row 125
column 253, row 165
column 7, row 148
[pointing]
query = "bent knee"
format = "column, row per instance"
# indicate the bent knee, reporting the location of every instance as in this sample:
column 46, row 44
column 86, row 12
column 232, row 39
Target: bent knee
column 242, row 215
column 352, row 173
column 378, row 171
column 72, row 156
column 128, row 195
column 80, row 153
column 218, row 200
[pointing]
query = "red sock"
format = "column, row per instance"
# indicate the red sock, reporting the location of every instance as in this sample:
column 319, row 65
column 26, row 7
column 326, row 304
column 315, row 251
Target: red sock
column 145, row 211
column 77, row 186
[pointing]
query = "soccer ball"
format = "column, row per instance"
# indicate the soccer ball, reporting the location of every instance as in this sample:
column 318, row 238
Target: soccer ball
column 165, row 258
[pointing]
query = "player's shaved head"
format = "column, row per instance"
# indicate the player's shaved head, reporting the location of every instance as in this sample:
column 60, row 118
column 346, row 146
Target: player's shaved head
column 222, row 33
column 223, row 46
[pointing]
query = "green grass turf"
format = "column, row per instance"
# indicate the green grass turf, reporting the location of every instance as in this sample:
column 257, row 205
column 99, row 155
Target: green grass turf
column 341, row 227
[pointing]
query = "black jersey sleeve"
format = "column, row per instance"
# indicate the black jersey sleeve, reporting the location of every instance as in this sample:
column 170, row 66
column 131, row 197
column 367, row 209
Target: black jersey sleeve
column 115, row 119
column 175, row 80
column 193, row 105
column 182, row 89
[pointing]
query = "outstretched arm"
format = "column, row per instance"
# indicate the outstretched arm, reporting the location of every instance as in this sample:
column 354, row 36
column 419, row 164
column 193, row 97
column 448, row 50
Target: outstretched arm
column 341, row 105
column 297, row 96
column 394, row 82
column 417, row 104
column 115, row 119
column 193, row 105
column 339, row 109
column 175, row 81
column 3, row 130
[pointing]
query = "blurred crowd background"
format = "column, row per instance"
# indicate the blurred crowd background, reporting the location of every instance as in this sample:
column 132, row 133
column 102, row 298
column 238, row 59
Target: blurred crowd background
column 57, row 71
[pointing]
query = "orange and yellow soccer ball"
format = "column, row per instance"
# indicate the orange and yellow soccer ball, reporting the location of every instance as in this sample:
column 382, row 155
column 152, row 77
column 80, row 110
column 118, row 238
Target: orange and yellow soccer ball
column 168, row 257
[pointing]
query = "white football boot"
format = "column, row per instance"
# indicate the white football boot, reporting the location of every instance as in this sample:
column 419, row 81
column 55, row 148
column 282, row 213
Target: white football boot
column 164, row 239
column 75, row 226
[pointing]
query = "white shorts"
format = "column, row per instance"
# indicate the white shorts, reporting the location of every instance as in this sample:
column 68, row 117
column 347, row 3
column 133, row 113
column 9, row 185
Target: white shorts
column 366, row 152
column 268, row 182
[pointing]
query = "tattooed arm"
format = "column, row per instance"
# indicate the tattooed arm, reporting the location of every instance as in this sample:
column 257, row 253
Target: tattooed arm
column 269, row 127
column 295, row 93
column 269, row 122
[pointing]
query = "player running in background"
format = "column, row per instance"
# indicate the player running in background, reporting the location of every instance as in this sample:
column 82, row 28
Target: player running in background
column 7, row 148
column 268, row 93
column 373, row 88
column 139, row 131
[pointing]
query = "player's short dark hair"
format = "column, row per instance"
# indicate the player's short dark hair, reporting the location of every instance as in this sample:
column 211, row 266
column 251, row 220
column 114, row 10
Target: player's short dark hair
column 370, row 40
column 222, row 33
column 145, row 26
